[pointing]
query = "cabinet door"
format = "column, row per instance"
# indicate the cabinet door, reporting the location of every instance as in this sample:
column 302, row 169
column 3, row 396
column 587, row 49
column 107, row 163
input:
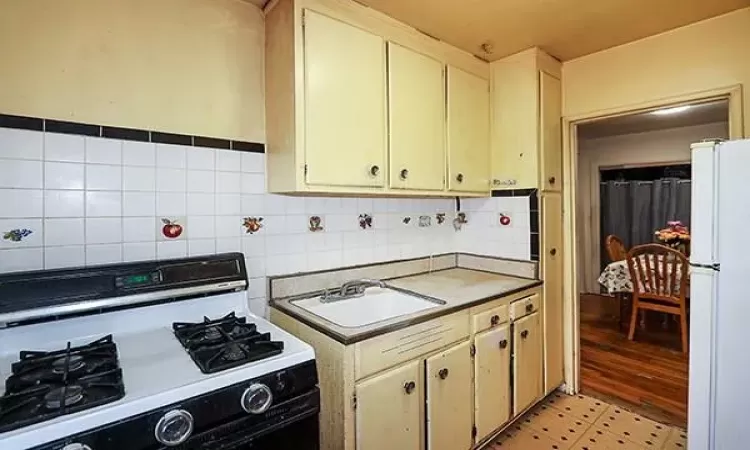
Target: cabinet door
column 550, row 112
column 416, row 101
column 468, row 132
column 552, row 273
column 449, row 399
column 345, row 104
column 390, row 409
column 491, row 380
column 527, row 362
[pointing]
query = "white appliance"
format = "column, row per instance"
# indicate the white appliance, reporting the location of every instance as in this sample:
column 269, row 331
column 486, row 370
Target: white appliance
column 719, row 297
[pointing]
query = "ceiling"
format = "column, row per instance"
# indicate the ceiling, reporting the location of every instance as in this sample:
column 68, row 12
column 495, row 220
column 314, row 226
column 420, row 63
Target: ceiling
column 566, row 29
column 699, row 114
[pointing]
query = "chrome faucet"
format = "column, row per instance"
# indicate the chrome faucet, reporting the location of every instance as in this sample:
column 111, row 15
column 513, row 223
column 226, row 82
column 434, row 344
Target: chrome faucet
column 350, row 289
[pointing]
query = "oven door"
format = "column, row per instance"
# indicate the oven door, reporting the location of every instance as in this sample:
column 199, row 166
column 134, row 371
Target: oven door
column 300, row 434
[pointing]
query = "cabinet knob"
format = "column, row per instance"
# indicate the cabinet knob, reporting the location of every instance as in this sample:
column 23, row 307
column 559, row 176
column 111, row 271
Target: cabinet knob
column 551, row 180
column 529, row 307
column 504, row 343
column 494, row 320
column 460, row 178
column 404, row 174
column 409, row 387
column 525, row 334
column 443, row 373
column 374, row 171
column 553, row 252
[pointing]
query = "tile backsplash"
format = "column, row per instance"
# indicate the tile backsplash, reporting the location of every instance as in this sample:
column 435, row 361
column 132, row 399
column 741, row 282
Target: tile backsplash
column 72, row 200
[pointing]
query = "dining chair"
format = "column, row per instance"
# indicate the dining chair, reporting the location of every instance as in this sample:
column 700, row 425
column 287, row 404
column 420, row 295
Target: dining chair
column 659, row 276
column 615, row 248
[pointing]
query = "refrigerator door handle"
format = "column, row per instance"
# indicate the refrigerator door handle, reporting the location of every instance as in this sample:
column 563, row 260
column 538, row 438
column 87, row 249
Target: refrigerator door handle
column 712, row 266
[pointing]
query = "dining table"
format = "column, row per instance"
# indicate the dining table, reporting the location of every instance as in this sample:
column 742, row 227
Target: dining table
column 615, row 277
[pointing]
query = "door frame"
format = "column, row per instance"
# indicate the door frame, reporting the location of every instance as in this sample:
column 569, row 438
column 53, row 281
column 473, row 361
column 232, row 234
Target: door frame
column 571, row 258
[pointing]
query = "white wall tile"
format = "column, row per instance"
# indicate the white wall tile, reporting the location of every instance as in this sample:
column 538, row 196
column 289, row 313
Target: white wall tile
column 294, row 205
column 138, row 178
column 35, row 239
column 201, row 204
column 228, row 226
column 170, row 180
column 168, row 155
column 103, row 254
column 103, row 151
column 274, row 225
column 64, row 232
column 197, row 247
column 274, row 204
column 138, row 153
column 171, row 204
column 299, row 223
column 228, row 160
column 63, row 147
column 139, row 251
column 103, row 177
column 21, row 203
column 254, row 245
column 103, row 203
column 201, row 158
column 202, row 227
column 200, row 181
column 60, row 175
column 21, row 174
column 259, row 307
column 13, row 260
column 21, row 144
column 63, row 203
column 228, row 244
column 138, row 204
column 171, row 249
column 252, row 204
column 256, row 267
column 138, row 229
column 103, row 230
column 256, row 288
column 253, row 183
column 59, row 257
column 228, row 204
column 228, row 183
column 253, row 162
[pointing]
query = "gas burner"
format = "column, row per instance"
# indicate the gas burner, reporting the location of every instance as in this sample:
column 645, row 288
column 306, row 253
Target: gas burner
column 74, row 363
column 222, row 344
column 63, row 396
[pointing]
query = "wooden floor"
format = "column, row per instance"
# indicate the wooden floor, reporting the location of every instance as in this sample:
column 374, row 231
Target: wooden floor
column 648, row 376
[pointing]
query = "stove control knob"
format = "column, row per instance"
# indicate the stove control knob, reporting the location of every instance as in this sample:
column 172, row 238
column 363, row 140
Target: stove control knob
column 76, row 446
column 256, row 399
column 174, row 427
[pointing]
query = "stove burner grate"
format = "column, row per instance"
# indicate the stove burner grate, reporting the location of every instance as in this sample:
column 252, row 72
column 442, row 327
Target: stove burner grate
column 63, row 396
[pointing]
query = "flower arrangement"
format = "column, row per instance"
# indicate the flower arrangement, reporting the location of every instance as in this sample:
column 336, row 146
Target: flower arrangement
column 675, row 235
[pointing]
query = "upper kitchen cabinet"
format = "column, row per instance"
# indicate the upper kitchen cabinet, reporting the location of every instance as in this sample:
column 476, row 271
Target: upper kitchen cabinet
column 526, row 129
column 356, row 104
column 416, row 119
column 468, row 132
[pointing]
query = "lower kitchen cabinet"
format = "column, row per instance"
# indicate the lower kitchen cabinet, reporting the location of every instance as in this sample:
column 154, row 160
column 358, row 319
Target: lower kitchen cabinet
column 389, row 409
column 491, row 380
column 527, row 362
column 449, row 399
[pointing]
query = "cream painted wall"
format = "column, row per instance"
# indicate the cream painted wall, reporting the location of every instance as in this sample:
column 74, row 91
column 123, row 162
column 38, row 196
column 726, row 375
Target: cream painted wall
column 650, row 148
column 181, row 66
column 706, row 55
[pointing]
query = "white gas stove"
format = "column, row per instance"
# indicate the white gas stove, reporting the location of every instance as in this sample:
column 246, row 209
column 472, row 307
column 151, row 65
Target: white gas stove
column 159, row 375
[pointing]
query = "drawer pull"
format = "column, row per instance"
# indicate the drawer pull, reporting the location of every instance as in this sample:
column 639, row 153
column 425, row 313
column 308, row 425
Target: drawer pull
column 525, row 334
column 443, row 374
column 503, row 343
column 404, row 174
column 374, row 170
column 529, row 307
column 409, row 387
column 551, row 180
column 494, row 320
column 553, row 252
column 460, row 178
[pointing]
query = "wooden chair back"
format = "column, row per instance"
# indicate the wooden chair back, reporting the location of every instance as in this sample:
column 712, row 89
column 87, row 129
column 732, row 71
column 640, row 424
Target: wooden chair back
column 658, row 273
column 615, row 248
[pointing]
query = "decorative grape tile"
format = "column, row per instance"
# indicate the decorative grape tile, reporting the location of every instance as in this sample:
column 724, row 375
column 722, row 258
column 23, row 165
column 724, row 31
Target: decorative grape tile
column 644, row 432
column 581, row 406
column 599, row 439
column 677, row 440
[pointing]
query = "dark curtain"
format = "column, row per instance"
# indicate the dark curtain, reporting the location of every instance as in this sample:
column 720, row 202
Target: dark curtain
column 633, row 210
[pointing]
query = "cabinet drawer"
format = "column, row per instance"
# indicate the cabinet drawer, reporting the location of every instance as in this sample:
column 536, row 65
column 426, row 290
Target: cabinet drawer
column 490, row 318
column 524, row 307
column 376, row 354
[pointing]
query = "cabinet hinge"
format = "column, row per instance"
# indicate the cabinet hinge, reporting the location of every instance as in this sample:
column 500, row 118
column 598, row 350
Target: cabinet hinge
column 354, row 402
column 305, row 169
column 473, row 350
column 473, row 431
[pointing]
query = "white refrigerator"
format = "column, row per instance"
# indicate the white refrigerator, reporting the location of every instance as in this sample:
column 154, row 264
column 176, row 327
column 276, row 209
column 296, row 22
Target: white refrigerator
column 719, row 380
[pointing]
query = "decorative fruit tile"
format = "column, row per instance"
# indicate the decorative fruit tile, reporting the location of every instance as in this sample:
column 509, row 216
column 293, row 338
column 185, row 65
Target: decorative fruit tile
column 171, row 228
column 581, row 406
column 524, row 439
column 644, row 432
column 677, row 440
column 556, row 425
column 599, row 439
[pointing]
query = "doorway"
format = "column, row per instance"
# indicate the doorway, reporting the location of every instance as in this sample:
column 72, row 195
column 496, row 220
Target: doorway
column 633, row 178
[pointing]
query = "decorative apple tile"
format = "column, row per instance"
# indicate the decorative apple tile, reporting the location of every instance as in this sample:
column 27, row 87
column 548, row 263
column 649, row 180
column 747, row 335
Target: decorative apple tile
column 365, row 221
column 642, row 431
column 586, row 408
column 460, row 221
column 172, row 228
column 440, row 218
column 504, row 219
column 425, row 221
column 406, row 220
column 252, row 224
column 16, row 234
column 315, row 223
